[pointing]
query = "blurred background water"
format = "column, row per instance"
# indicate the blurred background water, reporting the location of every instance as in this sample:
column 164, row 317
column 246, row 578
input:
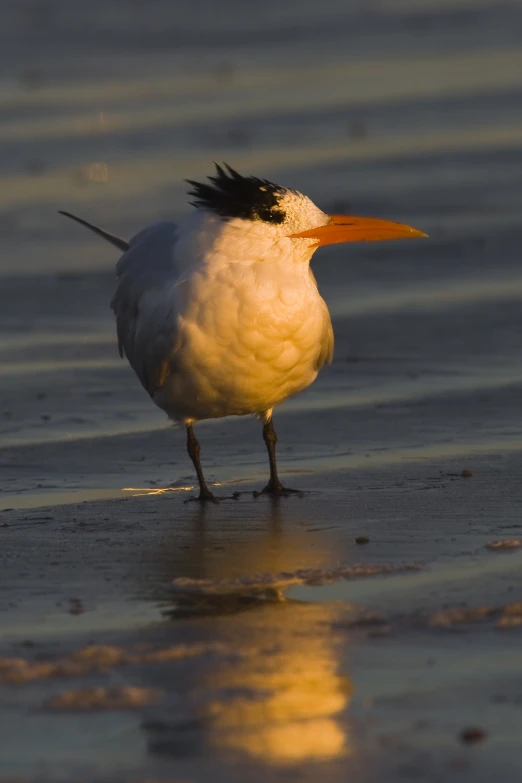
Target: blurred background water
column 408, row 107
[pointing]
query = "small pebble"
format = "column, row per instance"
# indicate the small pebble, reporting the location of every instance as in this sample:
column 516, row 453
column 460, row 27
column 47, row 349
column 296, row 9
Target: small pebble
column 362, row 540
column 466, row 474
column 473, row 735
column 76, row 606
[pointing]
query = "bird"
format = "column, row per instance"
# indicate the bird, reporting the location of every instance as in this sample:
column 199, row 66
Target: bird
column 220, row 314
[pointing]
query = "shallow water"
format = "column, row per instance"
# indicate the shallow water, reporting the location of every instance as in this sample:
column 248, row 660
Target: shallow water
column 392, row 108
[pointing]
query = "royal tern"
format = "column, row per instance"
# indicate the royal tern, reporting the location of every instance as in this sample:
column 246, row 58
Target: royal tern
column 220, row 314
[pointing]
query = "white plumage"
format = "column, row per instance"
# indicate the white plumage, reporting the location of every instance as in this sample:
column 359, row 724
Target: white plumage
column 221, row 314
column 217, row 327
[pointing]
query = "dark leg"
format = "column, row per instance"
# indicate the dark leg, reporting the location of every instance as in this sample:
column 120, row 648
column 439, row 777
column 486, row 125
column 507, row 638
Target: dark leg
column 270, row 438
column 274, row 486
column 193, row 450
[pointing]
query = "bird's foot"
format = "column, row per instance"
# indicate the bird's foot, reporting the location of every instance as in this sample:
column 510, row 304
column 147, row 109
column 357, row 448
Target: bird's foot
column 276, row 490
column 205, row 496
column 208, row 497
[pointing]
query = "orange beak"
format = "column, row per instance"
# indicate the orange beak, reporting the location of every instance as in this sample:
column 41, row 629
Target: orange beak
column 346, row 228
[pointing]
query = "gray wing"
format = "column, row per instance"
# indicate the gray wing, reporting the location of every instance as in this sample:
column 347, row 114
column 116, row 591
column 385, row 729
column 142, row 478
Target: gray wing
column 144, row 304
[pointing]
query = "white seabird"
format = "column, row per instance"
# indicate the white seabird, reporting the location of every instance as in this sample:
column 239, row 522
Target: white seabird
column 220, row 314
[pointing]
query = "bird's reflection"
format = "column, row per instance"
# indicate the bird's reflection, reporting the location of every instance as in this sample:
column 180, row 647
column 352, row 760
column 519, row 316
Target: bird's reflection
column 281, row 701
column 248, row 540
column 281, row 705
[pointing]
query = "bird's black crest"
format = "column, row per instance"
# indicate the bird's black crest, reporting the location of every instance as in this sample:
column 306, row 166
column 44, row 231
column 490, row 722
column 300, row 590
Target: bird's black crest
column 232, row 195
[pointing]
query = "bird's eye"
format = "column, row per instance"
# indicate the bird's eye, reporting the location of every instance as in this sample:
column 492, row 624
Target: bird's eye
column 270, row 215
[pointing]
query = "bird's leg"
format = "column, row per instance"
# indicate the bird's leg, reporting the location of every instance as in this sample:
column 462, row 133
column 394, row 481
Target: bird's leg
column 274, row 486
column 193, row 450
column 270, row 438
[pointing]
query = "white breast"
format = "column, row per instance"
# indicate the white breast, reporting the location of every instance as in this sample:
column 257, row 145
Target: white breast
column 252, row 328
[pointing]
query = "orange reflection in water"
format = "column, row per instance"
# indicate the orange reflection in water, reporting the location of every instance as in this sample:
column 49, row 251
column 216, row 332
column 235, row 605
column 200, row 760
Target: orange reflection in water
column 281, row 701
column 281, row 704
column 141, row 491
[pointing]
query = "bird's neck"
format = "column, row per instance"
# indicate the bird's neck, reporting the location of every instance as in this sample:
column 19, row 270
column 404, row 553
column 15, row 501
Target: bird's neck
column 213, row 242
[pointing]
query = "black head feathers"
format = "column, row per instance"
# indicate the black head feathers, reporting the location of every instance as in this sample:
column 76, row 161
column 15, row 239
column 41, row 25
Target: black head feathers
column 232, row 195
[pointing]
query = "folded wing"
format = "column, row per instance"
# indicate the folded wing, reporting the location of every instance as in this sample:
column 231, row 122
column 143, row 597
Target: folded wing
column 145, row 304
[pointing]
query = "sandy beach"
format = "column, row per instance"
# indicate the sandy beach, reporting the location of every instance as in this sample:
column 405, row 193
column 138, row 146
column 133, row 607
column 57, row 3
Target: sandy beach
column 369, row 630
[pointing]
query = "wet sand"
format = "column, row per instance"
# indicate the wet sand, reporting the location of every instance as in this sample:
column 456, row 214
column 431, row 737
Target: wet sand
column 369, row 630
column 262, row 638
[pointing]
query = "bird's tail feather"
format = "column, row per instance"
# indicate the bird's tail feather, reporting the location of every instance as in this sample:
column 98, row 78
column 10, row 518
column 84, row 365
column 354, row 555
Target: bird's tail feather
column 122, row 244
